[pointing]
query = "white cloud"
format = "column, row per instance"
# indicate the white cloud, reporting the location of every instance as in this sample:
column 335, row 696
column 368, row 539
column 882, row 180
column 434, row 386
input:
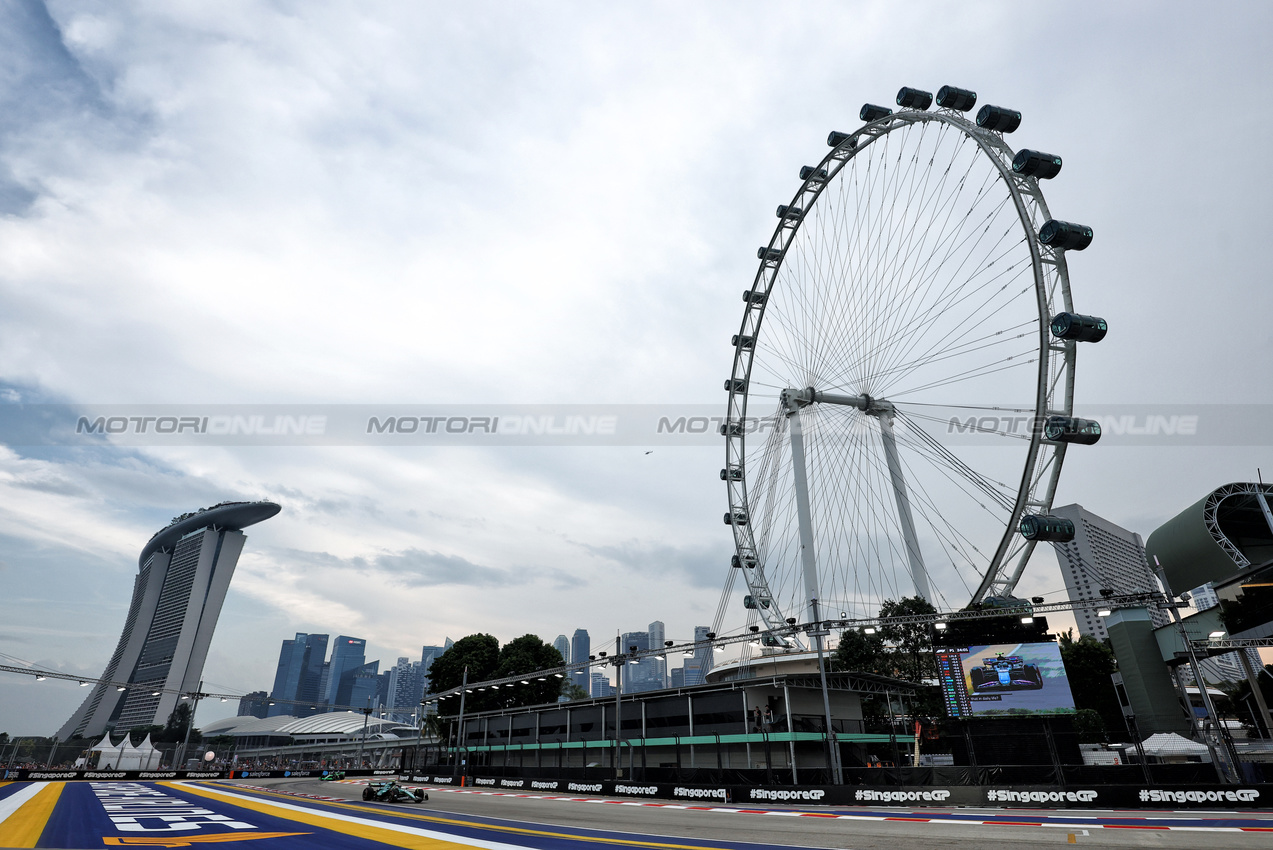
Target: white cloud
column 428, row 203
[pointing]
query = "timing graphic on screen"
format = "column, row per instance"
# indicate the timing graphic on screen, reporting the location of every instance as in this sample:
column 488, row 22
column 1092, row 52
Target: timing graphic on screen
column 1004, row 680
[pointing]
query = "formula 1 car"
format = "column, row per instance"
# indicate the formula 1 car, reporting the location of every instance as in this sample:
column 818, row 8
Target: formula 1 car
column 1005, row 673
column 331, row 775
column 389, row 791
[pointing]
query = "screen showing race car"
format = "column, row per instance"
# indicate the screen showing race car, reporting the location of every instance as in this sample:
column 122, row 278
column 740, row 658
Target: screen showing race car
column 1004, row 680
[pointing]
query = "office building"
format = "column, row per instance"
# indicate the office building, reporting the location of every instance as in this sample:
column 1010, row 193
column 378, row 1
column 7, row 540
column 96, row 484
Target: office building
column 580, row 649
column 599, row 686
column 697, row 667
column 254, row 704
column 427, row 656
column 183, row 574
column 562, row 645
column 299, row 673
column 658, row 665
column 677, row 677
column 348, row 654
column 1102, row 555
column 636, row 676
column 362, row 687
column 403, row 697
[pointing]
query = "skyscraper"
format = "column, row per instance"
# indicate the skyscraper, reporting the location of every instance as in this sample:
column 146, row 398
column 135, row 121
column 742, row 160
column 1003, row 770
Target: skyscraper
column 642, row 675
column 348, row 653
column 427, row 656
column 310, row 692
column 562, row 645
column 299, row 673
column 697, row 668
column 402, row 696
column 580, row 649
column 254, row 704
column 1102, row 555
column 658, row 666
column 362, row 686
column 183, row 574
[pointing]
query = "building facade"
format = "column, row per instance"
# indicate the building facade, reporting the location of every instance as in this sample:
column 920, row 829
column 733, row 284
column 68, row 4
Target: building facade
column 580, row 649
column 1102, row 555
column 299, row 675
column 562, row 645
column 183, row 574
column 348, row 654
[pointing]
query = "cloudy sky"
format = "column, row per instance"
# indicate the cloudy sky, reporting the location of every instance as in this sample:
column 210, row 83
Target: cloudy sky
column 313, row 203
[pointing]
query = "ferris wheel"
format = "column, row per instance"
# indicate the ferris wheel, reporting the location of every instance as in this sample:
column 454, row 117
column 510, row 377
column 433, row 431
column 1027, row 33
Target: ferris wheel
column 901, row 399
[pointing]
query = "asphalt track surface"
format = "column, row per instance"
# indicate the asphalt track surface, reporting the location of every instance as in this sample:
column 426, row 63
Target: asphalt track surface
column 306, row 814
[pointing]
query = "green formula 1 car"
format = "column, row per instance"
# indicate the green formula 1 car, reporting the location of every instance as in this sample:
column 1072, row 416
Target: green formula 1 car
column 331, row 775
column 390, row 791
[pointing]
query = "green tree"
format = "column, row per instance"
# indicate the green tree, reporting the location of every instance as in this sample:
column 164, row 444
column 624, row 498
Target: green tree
column 571, row 690
column 1089, row 726
column 528, row 654
column 174, row 731
column 138, row 734
column 860, row 653
column 1088, row 665
column 912, row 642
column 485, row 660
column 478, row 653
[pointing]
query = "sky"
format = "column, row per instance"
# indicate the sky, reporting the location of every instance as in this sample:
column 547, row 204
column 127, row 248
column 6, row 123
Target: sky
column 315, row 203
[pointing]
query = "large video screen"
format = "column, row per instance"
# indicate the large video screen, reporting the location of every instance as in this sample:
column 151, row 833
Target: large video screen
column 1004, row 680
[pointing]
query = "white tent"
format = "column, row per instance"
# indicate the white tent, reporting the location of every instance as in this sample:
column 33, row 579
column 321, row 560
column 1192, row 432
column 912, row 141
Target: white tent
column 124, row 756
column 1169, row 745
column 144, row 756
column 109, row 753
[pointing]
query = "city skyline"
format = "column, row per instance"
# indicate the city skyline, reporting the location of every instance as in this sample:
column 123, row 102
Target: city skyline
column 231, row 212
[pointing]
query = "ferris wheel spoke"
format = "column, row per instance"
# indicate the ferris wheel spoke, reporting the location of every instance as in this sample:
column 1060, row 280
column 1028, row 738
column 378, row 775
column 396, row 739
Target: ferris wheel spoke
column 1012, row 362
column 924, row 274
column 945, row 309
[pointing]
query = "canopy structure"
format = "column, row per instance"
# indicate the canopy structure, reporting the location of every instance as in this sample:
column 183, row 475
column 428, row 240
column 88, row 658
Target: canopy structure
column 124, row 756
column 1168, row 745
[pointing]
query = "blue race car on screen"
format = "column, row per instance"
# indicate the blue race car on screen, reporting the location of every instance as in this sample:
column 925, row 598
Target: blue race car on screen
column 1005, row 673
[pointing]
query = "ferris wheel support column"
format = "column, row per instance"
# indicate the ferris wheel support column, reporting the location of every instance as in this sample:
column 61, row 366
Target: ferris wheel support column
column 804, row 517
column 884, row 412
column 919, row 574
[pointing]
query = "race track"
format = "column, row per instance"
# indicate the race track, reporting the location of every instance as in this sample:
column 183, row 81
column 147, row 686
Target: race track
column 294, row 814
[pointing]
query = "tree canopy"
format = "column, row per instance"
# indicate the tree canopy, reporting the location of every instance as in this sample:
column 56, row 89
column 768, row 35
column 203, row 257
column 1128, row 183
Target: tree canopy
column 485, row 660
column 1088, row 665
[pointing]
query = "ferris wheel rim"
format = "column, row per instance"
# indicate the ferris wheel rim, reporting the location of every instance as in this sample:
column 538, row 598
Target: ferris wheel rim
column 1023, row 192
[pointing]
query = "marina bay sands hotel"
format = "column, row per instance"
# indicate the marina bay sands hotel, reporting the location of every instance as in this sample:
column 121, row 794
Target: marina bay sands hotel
column 185, row 570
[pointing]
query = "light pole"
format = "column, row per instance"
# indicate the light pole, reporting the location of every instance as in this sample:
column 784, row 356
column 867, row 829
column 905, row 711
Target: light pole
column 1228, row 769
column 366, row 715
column 190, row 723
column 459, row 724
